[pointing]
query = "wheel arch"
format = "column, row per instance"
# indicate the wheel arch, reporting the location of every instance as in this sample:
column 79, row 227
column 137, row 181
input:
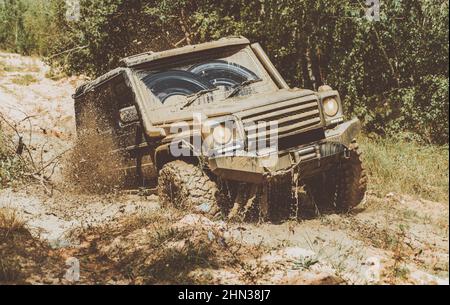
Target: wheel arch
column 162, row 156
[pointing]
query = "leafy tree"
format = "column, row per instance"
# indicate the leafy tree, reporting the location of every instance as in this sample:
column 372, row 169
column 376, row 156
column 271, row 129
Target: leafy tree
column 392, row 73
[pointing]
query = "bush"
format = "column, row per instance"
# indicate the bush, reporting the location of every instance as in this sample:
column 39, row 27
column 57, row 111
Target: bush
column 422, row 109
column 392, row 73
column 28, row 26
column 12, row 167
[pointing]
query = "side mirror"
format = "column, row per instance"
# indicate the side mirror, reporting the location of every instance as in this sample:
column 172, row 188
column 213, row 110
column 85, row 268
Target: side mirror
column 128, row 115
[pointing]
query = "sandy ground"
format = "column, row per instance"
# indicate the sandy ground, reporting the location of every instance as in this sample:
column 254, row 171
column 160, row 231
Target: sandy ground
column 395, row 240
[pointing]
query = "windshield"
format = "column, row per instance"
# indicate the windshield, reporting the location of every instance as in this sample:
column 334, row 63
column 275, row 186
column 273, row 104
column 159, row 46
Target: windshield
column 214, row 78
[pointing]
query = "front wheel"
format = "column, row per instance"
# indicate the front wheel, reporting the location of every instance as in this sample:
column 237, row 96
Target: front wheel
column 186, row 186
column 343, row 187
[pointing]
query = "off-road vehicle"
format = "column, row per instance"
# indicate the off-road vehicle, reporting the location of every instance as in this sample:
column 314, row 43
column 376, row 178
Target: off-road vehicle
column 157, row 105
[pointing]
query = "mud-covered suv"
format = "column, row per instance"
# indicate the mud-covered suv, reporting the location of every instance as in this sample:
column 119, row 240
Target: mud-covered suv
column 223, row 132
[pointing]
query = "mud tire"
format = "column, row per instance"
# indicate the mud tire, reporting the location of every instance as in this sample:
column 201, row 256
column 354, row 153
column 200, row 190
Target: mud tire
column 186, row 186
column 352, row 185
column 343, row 187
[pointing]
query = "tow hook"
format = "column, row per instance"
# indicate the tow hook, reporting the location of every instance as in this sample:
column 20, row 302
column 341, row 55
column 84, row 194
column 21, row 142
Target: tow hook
column 318, row 154
column 347, row 153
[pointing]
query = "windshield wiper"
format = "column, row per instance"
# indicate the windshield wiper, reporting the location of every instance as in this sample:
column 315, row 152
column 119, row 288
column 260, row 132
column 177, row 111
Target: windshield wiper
column 196, row 96
column 242, row 85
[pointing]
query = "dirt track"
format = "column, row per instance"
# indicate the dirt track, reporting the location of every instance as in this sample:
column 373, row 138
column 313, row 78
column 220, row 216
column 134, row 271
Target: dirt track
column 396, row 239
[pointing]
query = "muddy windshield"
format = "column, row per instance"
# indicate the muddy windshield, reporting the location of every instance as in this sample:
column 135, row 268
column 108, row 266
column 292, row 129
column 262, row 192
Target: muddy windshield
column 215, row 78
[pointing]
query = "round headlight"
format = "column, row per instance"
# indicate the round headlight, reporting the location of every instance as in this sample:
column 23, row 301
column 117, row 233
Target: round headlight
column 222, row 135
column 330, row 107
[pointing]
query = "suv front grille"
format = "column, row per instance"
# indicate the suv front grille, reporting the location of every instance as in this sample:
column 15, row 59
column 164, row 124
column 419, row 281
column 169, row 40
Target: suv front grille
column 293, row 117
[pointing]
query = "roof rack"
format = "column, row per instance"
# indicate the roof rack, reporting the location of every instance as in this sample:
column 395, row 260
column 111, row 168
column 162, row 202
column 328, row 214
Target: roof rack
column 143, row 58
column 147, row 57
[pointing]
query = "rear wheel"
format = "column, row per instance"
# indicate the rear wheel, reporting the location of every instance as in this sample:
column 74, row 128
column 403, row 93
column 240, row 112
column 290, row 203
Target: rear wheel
column 187, row 186
column 343, row 187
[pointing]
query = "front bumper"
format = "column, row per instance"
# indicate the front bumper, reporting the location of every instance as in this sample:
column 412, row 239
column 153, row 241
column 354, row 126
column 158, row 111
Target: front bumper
column 309, row 159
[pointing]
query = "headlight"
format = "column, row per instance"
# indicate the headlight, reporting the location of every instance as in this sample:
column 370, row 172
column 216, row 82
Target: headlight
column 222, row 135
column 330, row 107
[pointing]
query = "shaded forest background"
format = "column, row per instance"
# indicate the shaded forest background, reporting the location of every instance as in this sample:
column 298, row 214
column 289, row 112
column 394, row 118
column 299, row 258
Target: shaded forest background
column 392, row 73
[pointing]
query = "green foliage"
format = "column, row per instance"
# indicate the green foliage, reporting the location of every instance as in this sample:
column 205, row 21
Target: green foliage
column 392, row 73
column 12, row 166
column 27, row 26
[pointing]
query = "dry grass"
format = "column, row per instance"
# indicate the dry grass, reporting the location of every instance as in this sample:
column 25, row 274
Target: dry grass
column 24, row 80
column 150, row 249
column 2, row 68
column 23, row 256
column 407, row 168
column 10, row 221
column 27, row 68
column 55, row 74
column 10, row 224
column 33, row 68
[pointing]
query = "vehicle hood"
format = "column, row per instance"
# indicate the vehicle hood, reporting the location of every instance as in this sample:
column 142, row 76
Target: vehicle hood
column 237, row 106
